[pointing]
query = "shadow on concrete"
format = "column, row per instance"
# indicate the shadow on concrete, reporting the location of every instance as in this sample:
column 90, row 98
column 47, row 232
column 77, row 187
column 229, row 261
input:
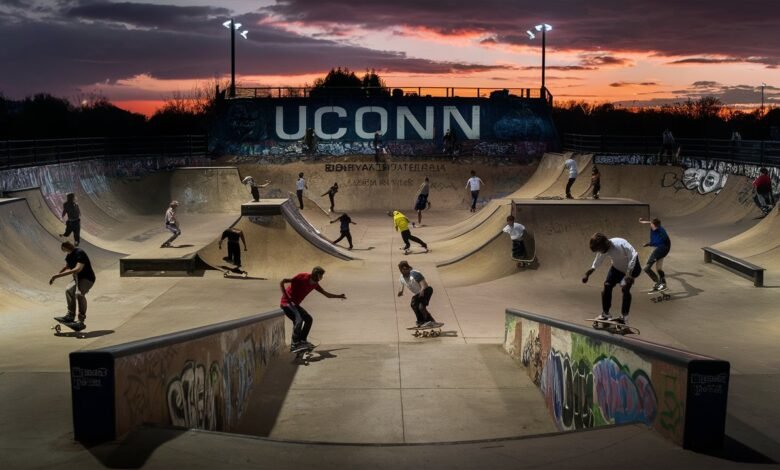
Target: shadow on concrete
column 689, row 290
column 135, row 449
column 736, row 451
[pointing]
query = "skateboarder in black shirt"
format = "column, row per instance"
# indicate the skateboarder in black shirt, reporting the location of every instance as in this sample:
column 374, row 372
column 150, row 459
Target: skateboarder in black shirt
column 345, row 220
column 233, row 235
column 78, row 265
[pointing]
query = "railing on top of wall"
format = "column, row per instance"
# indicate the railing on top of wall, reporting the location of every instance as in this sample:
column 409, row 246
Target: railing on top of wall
column 758, row 152
column 393, row 92
column 24, row 153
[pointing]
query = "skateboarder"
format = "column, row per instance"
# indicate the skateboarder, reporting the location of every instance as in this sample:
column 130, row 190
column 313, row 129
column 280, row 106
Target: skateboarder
column 254, row 187
column 78, row 266
column 73, row 223
column 331, row 193
column 292, row 296
column 421, row 294
column 516, row 232
column 300, row 185
column 668, row 147
column 763, row 188
column 233, row 235
column 379, row 148
column 401, row 224
column 345, row 220
column 474, row 184
column 571, row 166
column 422, row 199
column 171, row 223
column 659, row 239
column 625, row 268
column 595, row 182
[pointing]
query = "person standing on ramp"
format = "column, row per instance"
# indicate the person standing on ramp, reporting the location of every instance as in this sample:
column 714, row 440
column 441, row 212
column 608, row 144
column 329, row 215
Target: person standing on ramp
column 331, row 193
column 659, row 240
column 571, row 166
column 300, row 185
column 77, row 265
column 516, row 232
column 421, row 295
column 171, row 224
column 421, row 202
column 233, row 235
column 345, row 220
column 474, row 184
column 299, row 287
column 625, row 268
column 254, row 187
column 73, row 222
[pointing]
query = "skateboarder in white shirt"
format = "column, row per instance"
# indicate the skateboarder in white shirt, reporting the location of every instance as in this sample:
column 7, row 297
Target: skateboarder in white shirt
column 625, row 268
column 254, row 187
column 422, row 292
column 474, row 184
column 516, row 232
column 570, row 165
column 300, row 185
column 171, row 224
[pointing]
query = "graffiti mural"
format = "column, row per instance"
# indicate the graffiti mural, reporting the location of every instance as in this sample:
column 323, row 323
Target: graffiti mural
column 194, row 397
column 623, row 397
column 568, row 388
column 695, row 179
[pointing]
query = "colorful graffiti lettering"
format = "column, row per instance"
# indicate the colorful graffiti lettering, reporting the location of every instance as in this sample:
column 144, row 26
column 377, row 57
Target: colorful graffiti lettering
column 568, row 387
column 623, row 398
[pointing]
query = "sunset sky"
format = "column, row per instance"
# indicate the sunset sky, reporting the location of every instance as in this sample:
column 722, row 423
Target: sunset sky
column 635, row 52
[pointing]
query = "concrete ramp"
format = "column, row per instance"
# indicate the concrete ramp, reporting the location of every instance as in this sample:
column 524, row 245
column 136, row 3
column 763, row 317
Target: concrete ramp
column 280, row 242
column 759, row 245
column 561, row 230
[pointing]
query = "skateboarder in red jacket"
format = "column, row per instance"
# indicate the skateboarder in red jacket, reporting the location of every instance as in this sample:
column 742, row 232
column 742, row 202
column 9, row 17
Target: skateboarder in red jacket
column 292, row 296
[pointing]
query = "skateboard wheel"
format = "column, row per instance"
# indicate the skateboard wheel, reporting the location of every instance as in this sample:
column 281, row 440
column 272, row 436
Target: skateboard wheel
column 57, row 328
column 225, row 275
column 667, row 297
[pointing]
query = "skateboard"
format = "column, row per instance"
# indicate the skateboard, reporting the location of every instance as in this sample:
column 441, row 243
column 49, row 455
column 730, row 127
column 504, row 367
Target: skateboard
column 613, row 326
column 304, row 353
column 414, row 252
column 235, row 273
column 72, row 325
column 426, row 331
column 525, row 263
column 660, row 295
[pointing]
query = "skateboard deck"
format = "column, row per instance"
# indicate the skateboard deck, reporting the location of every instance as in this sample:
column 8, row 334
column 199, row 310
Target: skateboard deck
column 235, row 273
column 72, row 325
column 660, row 295
column 426, row 331
column 417, row 251
column 612, row 326
column 304, row 354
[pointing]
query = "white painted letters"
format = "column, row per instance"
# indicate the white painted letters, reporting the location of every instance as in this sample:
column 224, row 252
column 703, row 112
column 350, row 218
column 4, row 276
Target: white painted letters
column 360, row 130
column 472, row 132
column 404, row 114
column 341, row 132
column 297, row 135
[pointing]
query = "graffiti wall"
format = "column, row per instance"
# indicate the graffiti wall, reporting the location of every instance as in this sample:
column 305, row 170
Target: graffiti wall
column 501, row 125
column 205, row 383
column 588, row 383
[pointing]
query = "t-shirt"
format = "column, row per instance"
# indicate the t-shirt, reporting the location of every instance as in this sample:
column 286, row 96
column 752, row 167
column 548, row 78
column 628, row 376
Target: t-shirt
column 413, row 281
column 474, row 183
column 763, row 184
column 298, row 289
column 571, row 165
column 73, row 211
column 624, row 257
column 400, row 221
column 300, row 185
column 659, row 237
column 344, row 221
column 516, row 231
column 424, row 188
column 170, row 216
column 232, row 236
column 80, row 256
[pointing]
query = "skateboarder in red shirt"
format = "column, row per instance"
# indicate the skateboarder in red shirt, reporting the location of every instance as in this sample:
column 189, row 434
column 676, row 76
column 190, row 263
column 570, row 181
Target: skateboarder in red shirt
column 292, row 296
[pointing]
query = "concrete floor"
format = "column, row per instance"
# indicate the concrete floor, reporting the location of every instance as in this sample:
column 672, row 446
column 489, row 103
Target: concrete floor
column 375, row 383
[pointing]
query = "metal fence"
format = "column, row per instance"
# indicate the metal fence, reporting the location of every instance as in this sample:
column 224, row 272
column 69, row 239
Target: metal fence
column 22, row 153
column 368, row 92
column 759, row 152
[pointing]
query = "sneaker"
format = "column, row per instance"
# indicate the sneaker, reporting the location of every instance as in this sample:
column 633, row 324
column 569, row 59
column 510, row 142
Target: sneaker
column 426, row 249
column 660, row 286
column 165, row 245
column 294, row 346
column 429, row 324
column 623, row 320
column 604, row 316
column 569, row 196
column 78, row 326
column 66, row 318
column 406, row 252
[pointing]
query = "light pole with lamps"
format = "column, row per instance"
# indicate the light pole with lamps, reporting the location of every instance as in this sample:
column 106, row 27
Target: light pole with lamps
column 233, row 26
column 543, row 28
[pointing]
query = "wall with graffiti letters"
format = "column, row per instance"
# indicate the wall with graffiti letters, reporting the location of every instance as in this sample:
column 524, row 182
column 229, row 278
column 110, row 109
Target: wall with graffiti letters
column 205, row 383
column 497, row 126
column 589, row 382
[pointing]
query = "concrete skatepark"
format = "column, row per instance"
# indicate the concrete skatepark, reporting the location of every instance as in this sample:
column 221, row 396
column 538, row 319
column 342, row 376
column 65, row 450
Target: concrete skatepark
column 375, row 395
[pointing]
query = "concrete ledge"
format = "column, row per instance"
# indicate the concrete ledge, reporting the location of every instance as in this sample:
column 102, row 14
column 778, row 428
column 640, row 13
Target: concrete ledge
column 263, row 207
column 592, row 378
column 740, row 266
column 200, row 378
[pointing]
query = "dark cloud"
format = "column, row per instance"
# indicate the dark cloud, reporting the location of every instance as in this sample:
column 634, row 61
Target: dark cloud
column 690, row 28
column 174, row 43
column 768, row 61
column 730, row 95
column 629, row 84
column 603, row 60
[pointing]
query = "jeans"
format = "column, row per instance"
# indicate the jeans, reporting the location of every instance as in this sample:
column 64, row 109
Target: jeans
column 406, row 235
column 346, row 235
column 420, row 303
column 300, row 197
column 234, row 253
column 74, row 227
column 302, row 322
column 613, row 278
column 76, row 294
column 568, row 186
column 175, row 231
column 518, row 249
column 474, row 196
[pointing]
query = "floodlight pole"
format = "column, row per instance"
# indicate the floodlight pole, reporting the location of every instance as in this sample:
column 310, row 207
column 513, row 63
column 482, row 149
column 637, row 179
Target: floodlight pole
column 544, row 50
column 232, row 59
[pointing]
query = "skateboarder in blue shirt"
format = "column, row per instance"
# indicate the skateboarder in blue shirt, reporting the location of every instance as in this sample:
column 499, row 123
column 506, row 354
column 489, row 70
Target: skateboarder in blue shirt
column 625, row 268
column 421, row 294
column 77, row 265
column 659, row 239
